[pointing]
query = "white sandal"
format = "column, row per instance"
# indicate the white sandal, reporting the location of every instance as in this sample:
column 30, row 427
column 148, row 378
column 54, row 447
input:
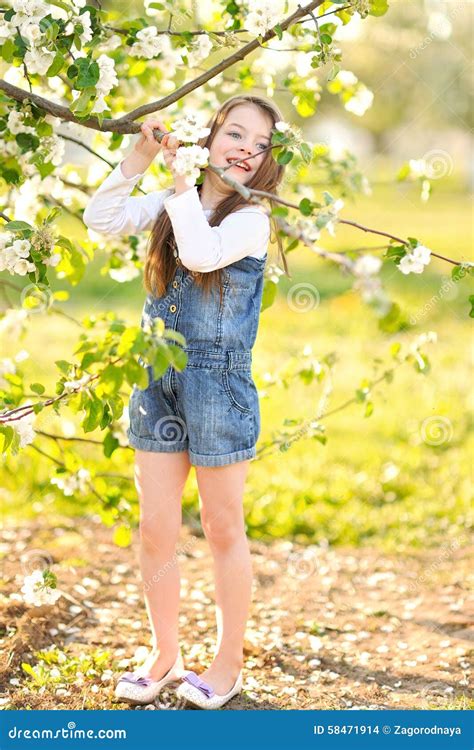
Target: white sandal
column 138, row 688
column 201, row 694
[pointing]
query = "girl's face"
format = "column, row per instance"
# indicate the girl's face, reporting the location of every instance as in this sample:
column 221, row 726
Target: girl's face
column 245, row 131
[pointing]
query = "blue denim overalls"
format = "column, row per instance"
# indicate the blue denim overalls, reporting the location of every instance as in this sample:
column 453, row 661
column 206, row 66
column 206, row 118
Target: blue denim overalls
column 211, row 408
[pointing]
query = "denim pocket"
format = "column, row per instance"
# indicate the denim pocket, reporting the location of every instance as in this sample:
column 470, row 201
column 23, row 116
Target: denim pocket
column 238, row 385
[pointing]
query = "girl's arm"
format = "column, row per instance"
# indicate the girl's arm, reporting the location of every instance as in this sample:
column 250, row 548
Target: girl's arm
column 111, row 210
column 204, row 248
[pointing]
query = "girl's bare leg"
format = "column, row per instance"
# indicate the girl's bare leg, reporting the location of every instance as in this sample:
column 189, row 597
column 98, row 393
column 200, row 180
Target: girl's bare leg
column 221, row 491
column 160, row 480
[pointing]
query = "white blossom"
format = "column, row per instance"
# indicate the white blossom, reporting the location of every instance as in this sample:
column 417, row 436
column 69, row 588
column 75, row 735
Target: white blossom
column 107, row 80
column 187, row 162
column 149, row 43
column 32, row 33
column 308, row 227
column 23, row 266
column 346, row 78
column 54, row 147
column 6, row 29
column 111, row 44
column 71, row 385
column 263, row 15
column 15, row 123
column 120, row 427
column 24, row 427
column 13, row 258
column 127, row 272
column 367, row 265
column 36, row 592
column 13, row 322
column 85, row 20
column 333, row 209
column 7, row 367
column 38, row 60
column 361, row 101
column 282, row 126
column 273, row 272
column 77, row 482
column 189, row 129
column 200, row 49
column 415, row 261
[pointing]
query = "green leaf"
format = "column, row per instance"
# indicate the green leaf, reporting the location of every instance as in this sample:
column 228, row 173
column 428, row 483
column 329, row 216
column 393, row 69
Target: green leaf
column 471, row 300
column 17, row 226
column 8, row 434
column 378, row 7
column 306, row 207
column 56, row 65
column 63, row 366
column 27, row 142
column 37, row 388
column 177, row 356
column 306, row 152
column 285, row 156
column 8, row 48
column 110, row 444
column 94, row 410
column 135, row 374
column 269, row 294
column 111, row 379
column 88, row 74
column 29, row 670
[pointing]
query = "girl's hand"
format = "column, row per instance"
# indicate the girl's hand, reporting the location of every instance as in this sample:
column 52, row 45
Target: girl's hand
column 169, row 145
column 147, row 147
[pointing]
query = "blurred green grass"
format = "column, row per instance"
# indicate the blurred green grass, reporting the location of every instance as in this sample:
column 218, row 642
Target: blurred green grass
column 375, row 482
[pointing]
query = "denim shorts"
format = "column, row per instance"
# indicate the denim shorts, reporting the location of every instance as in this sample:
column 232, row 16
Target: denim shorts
column 210, row 409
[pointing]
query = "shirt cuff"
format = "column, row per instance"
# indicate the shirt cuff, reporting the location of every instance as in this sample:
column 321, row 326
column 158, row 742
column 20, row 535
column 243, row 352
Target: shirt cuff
column 178, row 202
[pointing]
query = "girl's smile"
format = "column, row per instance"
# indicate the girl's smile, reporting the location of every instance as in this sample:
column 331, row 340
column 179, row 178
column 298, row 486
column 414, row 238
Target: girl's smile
column 245, row 131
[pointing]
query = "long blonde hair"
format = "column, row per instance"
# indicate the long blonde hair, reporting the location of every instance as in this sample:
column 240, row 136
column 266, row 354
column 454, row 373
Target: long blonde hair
column 160, row 264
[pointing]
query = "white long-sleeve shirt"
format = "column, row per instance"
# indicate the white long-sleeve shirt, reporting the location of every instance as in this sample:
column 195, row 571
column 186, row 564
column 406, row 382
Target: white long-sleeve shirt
column 112, row 210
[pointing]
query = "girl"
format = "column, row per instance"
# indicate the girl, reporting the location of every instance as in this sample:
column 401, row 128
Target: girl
column 203, row 276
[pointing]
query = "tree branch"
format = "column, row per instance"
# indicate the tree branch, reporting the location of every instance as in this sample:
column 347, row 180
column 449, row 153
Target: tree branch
column 126, row 123
column 146, row 109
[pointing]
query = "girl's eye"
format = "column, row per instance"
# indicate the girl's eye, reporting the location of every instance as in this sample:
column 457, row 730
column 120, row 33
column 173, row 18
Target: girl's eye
column 234, row 132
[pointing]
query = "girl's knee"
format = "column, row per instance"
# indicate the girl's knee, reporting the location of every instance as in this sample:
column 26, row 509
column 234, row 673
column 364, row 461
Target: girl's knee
column 221, row 532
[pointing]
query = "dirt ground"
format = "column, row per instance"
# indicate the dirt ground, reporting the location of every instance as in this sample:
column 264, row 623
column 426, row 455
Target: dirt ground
column 329, row 628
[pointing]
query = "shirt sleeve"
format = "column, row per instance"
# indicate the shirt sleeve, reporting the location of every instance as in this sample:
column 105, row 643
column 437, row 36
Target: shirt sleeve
column 204, row 248
column 111, row 210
